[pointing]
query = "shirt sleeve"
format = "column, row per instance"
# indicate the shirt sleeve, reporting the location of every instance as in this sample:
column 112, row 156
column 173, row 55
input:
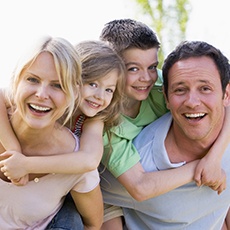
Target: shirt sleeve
column 123, row 157
column 87, row 182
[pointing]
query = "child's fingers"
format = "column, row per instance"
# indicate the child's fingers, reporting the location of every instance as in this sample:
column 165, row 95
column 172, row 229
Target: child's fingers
column 21, row 181
column 219, row 188
column 4, row 156
column 198, row 177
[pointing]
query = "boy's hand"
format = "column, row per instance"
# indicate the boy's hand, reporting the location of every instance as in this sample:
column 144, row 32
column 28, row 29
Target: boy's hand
column 208, row 172
column 221, row 186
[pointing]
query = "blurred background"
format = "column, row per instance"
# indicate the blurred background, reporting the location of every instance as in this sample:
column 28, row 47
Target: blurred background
column 23, row 21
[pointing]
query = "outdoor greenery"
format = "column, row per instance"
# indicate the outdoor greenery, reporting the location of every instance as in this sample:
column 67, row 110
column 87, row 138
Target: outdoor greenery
column 168, row 18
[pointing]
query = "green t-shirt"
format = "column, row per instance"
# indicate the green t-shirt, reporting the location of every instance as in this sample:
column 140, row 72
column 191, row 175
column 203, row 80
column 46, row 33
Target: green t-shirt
column 124, row 155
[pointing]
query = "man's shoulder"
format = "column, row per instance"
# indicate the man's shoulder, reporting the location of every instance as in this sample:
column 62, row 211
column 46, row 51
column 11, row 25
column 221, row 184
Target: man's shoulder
column 161, row 121
column 161, row 125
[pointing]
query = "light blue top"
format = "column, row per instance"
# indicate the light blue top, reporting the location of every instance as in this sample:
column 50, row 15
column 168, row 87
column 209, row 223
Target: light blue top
column 187, row 207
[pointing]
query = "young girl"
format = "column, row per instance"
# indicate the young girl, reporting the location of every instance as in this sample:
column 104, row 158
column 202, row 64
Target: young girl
column 99, row 109
column 45, row 88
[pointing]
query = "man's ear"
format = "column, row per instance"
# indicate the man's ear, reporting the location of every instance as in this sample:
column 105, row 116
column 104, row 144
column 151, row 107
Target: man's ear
column 166, row 99
column 227, row 96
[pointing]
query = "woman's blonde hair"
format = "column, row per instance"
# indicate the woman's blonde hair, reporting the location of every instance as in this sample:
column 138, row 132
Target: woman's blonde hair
column 98, row 59
column 68, row 68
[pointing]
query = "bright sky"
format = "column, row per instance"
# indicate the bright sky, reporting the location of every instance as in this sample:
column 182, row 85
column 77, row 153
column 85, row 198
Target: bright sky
column 22, row 21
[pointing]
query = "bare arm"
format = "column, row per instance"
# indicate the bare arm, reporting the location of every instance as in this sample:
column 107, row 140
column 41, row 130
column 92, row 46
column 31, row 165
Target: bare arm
column 227, row 220
column 208, row 171
column 226, row 225
column 86, row 159
column 90, row 206
column 144, row 185
column 7, row 136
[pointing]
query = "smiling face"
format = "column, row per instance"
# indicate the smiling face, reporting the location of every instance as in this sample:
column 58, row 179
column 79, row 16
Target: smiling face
column 141, row 72
column 39, row 98
column 97, row 95
column 195, row 98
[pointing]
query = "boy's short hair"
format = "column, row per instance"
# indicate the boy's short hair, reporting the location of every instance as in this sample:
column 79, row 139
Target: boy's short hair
column 123, row 34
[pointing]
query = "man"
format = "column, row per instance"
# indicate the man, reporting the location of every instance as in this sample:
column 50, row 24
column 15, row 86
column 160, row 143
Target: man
column 197, row 91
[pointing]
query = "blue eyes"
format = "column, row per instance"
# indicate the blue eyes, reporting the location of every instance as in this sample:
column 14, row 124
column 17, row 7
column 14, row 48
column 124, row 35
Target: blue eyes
column 32, row 80
column 35, row 80
column 95, row 85
column 135, row 69
column 109, row 90
column 58, row 86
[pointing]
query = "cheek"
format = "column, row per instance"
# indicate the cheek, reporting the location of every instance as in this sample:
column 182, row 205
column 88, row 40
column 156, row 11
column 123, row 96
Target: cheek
column 173, row 102
column 60, row 100
column 22, row 93
column 108, row 100
column 130, row 79
column 154, row 76
column 84, row 92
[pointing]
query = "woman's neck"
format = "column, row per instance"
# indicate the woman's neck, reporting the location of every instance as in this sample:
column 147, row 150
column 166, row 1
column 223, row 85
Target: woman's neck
column 35, row 141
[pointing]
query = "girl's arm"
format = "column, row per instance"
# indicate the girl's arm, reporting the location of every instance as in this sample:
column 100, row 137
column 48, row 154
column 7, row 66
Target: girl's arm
column 227, row 219
column 7, row 136
column 90, row 206
column 86, row 159
column 208, row 171
column 226, row 225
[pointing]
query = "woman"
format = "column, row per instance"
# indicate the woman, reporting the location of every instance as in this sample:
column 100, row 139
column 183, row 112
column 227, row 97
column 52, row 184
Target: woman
column 45, row 89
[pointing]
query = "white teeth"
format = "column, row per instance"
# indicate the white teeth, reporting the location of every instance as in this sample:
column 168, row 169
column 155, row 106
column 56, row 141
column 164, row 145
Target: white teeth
column 93, row 104
column 39, row 107
column 141, row 88
column 194, row 115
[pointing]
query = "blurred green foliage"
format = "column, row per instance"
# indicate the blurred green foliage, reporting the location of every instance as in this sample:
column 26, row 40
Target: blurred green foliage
column 168, row 18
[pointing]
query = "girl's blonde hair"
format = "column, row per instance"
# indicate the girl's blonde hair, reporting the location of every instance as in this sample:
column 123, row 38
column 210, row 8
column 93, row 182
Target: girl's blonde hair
column 67, row 64
column 98, row 59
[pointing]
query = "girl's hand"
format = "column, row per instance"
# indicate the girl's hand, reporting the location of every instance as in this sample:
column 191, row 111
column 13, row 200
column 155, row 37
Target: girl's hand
column 21, row 181
column 12, row 165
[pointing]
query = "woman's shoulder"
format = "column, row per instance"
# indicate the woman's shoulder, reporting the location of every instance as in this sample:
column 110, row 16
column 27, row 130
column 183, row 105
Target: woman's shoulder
column 76, row 139
column 67, row 141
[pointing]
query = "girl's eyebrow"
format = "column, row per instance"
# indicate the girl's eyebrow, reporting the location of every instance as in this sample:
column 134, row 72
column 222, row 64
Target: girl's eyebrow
column 111, row 85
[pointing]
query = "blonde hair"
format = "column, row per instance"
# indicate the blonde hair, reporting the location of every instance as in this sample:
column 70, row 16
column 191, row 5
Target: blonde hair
column 98, row 59
column 68, row 68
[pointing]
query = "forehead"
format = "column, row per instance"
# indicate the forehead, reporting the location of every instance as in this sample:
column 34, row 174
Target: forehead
column 43, row 66
column 194, row 68
column 44, row 60
column 135, row 55
column 110, row 79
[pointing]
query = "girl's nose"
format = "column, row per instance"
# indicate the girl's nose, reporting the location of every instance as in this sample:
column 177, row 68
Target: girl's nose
column 99, row 94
